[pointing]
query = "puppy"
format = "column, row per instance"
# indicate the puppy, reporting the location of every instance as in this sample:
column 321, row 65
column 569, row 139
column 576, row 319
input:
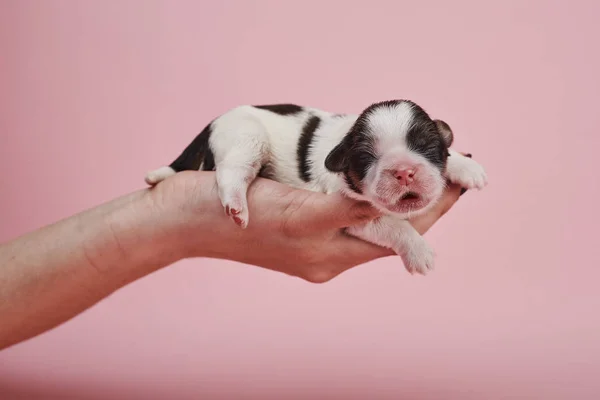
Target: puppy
column 392, row 155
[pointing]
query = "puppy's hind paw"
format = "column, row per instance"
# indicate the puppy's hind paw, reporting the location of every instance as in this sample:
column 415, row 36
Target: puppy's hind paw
column 238, row 214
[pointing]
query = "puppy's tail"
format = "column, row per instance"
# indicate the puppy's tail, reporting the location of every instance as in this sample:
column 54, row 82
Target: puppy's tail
column 159, row 175
column 196, row 156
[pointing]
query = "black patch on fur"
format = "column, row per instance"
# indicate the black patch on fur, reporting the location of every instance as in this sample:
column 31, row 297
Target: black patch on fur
column 209, row 160
column 304, row 143
column 282, row 109
column 195, row 153
column 351, row 184
column 425, row 138
column 354, row 154
column 266, row 171
column 361, row 162
column 337, row 159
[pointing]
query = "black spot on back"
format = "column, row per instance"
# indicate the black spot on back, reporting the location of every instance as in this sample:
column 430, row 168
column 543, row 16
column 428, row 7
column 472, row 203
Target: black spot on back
column 195, row 153
column 304, row 143
column 209, row 160
column 282, row 109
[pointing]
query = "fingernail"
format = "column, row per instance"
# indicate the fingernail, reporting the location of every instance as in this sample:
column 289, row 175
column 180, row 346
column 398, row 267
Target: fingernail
column 469, row 155
column 462, row 191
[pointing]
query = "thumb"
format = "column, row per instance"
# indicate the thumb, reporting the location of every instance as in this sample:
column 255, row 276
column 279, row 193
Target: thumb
column 334, row 211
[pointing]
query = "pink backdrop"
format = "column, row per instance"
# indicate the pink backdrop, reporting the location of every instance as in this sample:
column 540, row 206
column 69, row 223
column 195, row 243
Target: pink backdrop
column 94, row 93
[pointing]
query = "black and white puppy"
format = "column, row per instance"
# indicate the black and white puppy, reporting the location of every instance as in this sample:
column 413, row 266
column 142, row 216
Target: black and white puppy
column 392, row 155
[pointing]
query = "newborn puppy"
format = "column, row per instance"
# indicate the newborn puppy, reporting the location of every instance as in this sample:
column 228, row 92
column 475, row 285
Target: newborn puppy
column 392, row 155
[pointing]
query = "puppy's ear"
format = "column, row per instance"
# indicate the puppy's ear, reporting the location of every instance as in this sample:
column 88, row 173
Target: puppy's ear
column 445, row 131
column 337, row 159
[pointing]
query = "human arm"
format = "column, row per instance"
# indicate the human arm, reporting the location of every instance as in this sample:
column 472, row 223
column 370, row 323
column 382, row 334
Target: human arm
column 50, row 275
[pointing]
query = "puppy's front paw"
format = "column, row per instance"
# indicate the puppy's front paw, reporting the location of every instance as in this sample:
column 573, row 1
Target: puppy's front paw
column 466, row 172
column 418, row 258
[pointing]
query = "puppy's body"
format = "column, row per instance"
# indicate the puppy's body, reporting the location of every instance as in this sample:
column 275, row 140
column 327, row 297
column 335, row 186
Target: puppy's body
column 392, row 155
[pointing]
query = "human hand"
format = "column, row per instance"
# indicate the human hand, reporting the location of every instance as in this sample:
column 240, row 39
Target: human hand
column 293, row 231
column 81, row 259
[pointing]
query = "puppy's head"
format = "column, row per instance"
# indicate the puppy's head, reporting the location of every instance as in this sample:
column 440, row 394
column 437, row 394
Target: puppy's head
column 394, row 156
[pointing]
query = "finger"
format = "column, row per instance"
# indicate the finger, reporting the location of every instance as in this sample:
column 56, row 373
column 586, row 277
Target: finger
column 424, row 222
column 332, row 211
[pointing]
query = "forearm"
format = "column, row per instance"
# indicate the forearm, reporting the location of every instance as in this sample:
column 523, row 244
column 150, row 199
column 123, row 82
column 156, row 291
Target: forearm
column 53, row 274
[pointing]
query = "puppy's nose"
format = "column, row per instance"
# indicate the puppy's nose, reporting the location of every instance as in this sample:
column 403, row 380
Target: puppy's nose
column 405, row 176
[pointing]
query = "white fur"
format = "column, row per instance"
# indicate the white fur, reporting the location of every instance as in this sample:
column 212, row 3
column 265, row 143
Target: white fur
column 245, row 138
column 466, row 171
column 153, row 177
column 390, row 125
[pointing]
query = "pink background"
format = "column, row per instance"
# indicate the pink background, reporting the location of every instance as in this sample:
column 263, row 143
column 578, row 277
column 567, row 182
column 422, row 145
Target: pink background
column 94, row 93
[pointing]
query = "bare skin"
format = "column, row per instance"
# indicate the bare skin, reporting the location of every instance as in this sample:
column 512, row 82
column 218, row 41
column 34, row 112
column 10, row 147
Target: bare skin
column 49, row 276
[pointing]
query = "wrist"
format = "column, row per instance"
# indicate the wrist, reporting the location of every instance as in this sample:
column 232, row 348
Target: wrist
column 189, row 214
column 135, row 241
